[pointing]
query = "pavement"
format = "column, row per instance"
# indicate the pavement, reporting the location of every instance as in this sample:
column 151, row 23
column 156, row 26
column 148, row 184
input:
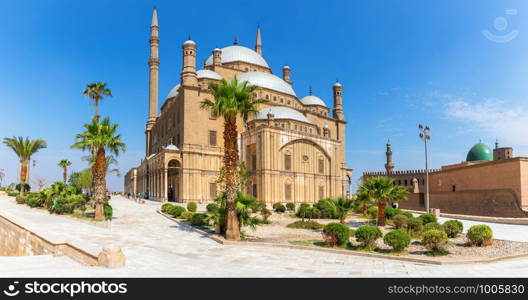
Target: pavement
column 157, row 247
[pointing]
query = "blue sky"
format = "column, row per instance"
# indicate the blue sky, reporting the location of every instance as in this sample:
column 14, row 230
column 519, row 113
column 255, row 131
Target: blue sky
column 401, row 63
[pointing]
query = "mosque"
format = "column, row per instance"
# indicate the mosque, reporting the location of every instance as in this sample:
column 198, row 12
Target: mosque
column 293, row 148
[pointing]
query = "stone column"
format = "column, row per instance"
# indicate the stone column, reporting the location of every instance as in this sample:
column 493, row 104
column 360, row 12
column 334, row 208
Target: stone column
column 165, row 184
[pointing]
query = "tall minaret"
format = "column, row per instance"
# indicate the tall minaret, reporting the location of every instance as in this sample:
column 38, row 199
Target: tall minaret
column 389, row 166
column 153, row 78
column 258, row 43
column 338, row 101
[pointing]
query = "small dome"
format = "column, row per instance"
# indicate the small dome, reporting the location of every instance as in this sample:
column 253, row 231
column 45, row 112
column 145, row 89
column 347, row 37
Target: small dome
column 479, row 152
column 313, row 100
column 173, row 92
column 171, row 147
column 239, row 53
column 189, row 42
column 337, row 84
column 281, row 112
column 268, row 81
column 208, row 74
column 286, row 67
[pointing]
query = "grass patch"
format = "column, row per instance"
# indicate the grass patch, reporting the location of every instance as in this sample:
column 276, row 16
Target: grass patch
column 305, row 225
column 319, row 243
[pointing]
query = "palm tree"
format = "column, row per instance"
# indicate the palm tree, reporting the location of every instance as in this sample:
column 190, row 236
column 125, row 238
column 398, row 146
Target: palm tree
column 97, row 91
column 343, row 206
column 109, row 160
column 64, row 164
column 24, row 149
column 231, row 99
column 382, row 190
column 99, row 138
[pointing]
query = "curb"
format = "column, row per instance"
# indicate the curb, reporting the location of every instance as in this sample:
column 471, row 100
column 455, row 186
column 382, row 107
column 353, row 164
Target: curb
column 500, row 220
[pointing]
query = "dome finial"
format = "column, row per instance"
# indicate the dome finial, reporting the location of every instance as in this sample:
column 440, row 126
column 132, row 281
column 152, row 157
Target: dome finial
column 189, row 37
column 235, row 42
column 310, row 90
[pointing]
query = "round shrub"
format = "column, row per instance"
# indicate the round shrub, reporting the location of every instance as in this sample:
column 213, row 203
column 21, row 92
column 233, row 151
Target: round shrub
column 434, row 240
column 165, row 207
column 191, row 206
column 186, row 215
column 274, row 206
column 20, row 199
column 367, row 235
column 453, row 228
column 480, row 235
column 414, row 225
column 35, row 199
column 336, row 234
column 108, row 211
column 212, row 207
column 390, row 212
column 327, row 209
column 405, row 213
column 199, row 219
column 433, row 226
column 280, row 208
column 372, row 212
column 266, row 213
column 290, row 206
column 400, row 221
column 428, row 218
column 176, row 210
column 397, row 239
column 305, row 225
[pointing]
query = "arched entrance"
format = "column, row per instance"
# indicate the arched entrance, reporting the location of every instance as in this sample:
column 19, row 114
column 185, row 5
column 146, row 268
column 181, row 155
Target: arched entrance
column 348, row 185
column 173, row 181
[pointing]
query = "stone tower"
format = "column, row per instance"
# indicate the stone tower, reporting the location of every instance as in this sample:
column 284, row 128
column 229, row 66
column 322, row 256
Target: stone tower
column 338, row 101
column 258, row 42
column 286, row 74
column 389, row 166
column 153, row 77
column 188, row 74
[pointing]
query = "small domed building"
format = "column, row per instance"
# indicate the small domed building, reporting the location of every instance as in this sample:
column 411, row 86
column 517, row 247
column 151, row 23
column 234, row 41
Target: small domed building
column 293, row 148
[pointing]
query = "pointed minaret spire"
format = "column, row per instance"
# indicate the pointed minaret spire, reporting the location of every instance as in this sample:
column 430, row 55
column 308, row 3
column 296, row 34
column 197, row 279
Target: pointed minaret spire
column 154, row 17
column 153, row 77
column 258, row 43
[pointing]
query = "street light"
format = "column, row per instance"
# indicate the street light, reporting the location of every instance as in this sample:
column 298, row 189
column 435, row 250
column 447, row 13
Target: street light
column 424, row 135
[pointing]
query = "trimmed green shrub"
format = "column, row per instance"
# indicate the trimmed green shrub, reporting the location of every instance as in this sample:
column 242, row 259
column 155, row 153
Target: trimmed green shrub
column 165, row 207
column 65, row 204
column 428, row 218
column 305, row 211
column 279, row 207
column 336, row 234
column 191, row 206
column 435, row 240
column 397, row 239
column 274, row 205
column 186, row 215
column 433, row 226
column 400, row 221
column 199, row 219
column 390, row 212
column 265, row 212
column 35, row 199
column 290, row 206
column 480, row 235
column 405, row 213
column 414, row 225
column 108, row 211
column 327, row 208
column 175, row 210
column 20, row 199
column 453, row 228
column 305, row 225
column 212, row 207
column 367, row 235
column 372, row 212
column 12, row 194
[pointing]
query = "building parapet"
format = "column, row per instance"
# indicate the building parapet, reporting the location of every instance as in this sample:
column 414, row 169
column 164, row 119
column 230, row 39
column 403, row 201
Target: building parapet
column 399, row 172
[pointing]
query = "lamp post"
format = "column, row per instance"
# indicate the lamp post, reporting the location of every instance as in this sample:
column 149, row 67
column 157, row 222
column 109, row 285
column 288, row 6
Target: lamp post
column 424, row 135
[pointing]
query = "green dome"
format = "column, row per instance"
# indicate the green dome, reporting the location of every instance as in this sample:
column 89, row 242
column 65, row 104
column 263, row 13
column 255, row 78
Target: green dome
column 479, row 152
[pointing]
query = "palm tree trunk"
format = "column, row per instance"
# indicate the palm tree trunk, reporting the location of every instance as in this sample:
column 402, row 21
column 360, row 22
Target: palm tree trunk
column 99, row 183
column 381, row 213
column 23, row 176
column 65, row 174
column 96, row 110
column 231, row 169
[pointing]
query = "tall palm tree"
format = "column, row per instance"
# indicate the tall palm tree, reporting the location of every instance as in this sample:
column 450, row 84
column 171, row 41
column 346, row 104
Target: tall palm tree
column 24, row 149
column 97, row 91
column 109, row 160
column 64, row 164
column 99, row 138
column 231, row 99
column 343, row 206
column 382, row 190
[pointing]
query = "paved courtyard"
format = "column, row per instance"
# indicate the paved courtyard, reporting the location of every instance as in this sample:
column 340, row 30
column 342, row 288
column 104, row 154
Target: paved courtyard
column 157, row 247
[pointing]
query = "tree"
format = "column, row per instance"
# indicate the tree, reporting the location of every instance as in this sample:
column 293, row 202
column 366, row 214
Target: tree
column 97, row 91
column 40, row 182
column 99, row 138
column 231, row 99
column 64, row 164
column 343, row 206
column 109, row 160
column 382, row 190
column 24, row 149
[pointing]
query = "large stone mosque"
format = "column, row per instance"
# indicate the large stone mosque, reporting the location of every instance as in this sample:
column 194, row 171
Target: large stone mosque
column 293, row 148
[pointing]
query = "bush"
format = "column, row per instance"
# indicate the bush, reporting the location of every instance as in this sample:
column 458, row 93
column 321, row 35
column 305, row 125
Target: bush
column 35, row 199
column 305, row 225
column 397, row 239
column 290, row 206
column 336, row 234
column 404, row 213
column 66, row 203
column 27, row 188
column 186, row 215
column 327, row 209
column 176, row 210
column 278, row 207
column 433, row 226
column 199, row 219
column 428, row 218
column 305, row 211
column 453, row 228
column 390, row 212
column 435, row 240
column 165, row 207
column 12, row 194
column 414, row 225
column 266, row 213
column 367, row 235
column 20, row 199
column 212, row 207
column 372, row 212
column 480, row 235
column 191, row 206
column 400, row 221
column 108, row 211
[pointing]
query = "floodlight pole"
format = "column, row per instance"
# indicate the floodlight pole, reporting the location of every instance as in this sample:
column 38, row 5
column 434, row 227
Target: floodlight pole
column 424, row 135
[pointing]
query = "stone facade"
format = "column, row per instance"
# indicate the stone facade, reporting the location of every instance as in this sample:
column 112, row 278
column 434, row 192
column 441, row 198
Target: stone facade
column 293, row 148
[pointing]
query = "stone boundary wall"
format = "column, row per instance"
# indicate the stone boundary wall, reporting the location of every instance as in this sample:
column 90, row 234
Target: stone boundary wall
column 490, row 203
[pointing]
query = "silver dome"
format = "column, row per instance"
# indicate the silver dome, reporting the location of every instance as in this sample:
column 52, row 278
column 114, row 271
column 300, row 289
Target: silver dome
column 208, row 74
column 313, row 100
column 171, row 147
column 268, row 81
column 281, row 112
column 173, row 92
column 239, row 53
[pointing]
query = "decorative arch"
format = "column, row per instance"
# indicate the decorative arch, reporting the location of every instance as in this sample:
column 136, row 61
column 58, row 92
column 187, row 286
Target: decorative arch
column 309, row 142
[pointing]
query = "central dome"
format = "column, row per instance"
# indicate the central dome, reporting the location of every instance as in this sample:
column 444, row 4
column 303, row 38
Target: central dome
column 480, row 152
column 281, row 112
column 312, row 100
column 239, row 53
column 268, row 81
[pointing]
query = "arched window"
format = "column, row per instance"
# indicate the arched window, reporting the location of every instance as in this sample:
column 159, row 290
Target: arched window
column 287, row 191
column 287, row 161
